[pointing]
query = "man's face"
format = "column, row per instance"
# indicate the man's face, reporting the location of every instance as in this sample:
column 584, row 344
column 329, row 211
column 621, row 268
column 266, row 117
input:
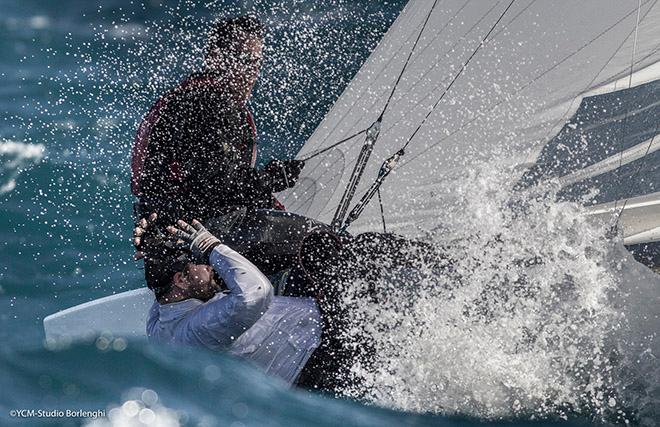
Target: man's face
column 251, row 58
column 241, row 67
column 200, row 281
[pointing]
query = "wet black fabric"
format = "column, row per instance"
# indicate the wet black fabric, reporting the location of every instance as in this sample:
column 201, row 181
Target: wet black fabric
column 327, row 272
column 198, row 158
column 322, row 274
column 282, row 174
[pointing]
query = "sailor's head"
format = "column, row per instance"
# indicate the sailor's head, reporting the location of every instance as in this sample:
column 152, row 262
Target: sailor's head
column 180, row 279
column 234, row 52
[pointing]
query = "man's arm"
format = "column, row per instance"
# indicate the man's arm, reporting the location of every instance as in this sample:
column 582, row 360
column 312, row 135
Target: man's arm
column 225, row 317
column 222, row 319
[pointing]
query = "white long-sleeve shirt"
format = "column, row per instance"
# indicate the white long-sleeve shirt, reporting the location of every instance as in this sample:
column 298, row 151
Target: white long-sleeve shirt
column 279, row 334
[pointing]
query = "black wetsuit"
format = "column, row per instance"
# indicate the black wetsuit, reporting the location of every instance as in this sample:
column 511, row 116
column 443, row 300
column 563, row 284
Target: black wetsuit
column 198, row 159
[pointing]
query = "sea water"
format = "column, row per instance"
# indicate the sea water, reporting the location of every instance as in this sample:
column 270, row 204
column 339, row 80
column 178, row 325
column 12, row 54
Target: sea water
column 76, row 78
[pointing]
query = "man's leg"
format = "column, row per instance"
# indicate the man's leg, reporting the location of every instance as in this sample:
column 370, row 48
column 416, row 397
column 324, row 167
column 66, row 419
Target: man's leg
column 322, row 274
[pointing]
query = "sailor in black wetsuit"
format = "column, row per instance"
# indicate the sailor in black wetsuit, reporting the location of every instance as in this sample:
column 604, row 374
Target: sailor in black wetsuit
column 195, row 150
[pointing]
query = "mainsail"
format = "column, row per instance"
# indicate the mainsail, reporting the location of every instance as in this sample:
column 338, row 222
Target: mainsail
column 545, row 66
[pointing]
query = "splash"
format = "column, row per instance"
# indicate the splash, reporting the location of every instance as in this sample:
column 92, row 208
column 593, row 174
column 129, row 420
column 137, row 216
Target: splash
column 15, row 157
column 518, row 327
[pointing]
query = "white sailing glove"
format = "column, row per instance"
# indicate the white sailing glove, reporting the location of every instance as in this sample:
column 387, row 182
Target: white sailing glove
column 197, row 238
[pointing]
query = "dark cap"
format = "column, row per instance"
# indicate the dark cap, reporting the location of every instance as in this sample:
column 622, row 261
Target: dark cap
column 160, row 266
column 225, row 34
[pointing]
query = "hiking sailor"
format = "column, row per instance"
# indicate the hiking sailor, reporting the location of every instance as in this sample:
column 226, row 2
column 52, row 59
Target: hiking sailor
column 195, row 150
column 299, row 337
column 237, row 313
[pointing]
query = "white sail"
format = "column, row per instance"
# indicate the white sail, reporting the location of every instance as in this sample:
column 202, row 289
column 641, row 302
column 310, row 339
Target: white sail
column 517, row 92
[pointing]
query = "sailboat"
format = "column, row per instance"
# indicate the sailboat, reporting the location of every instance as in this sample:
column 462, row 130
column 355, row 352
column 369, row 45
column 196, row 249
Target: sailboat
column 567, row 92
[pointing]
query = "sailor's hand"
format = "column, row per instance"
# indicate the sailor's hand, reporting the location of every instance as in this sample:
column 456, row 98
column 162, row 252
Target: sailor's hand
column 282, row 174
column 142, row 227
column 197, row 238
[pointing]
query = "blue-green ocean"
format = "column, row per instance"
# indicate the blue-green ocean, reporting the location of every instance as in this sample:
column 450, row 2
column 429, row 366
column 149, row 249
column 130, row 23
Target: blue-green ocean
column 76, row 77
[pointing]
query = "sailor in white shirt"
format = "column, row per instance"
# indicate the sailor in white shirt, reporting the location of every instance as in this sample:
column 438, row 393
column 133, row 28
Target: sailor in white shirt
column 278, row 334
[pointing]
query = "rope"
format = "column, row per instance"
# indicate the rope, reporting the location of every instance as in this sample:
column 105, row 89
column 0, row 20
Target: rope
column 562, row 119
column 617, row 215
column 483, row 41
column 410, row 54
column 382, row 211
column 323, row 150
column 389, row 98
column 372, row 136
column 356, row 175
column 525, row 86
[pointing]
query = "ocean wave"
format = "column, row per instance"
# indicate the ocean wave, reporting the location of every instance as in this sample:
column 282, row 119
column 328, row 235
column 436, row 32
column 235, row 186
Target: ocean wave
column 14, row 158
column 143, row 384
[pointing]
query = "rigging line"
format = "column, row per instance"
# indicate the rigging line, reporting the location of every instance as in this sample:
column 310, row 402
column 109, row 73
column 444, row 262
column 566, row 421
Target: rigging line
column 446, row 54
column 323, row 150
column 387, row 38
column 650, row 54
column 483, row 41
column 370, row 141
column 330, row 147
column 625, row 118
column 382, row 211
column 410, row 54
column 617, row 215
column 517, row 91
column 632, row 57
column 390, row 163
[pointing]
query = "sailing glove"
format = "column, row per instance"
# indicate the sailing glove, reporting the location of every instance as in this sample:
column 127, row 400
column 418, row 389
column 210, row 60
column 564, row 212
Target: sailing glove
column 196, row 238
column 282, row 174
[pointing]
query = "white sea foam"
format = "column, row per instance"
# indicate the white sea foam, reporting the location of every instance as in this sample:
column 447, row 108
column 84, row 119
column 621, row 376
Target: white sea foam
column 39, row 22
column 531, row 321
column 14, row 158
